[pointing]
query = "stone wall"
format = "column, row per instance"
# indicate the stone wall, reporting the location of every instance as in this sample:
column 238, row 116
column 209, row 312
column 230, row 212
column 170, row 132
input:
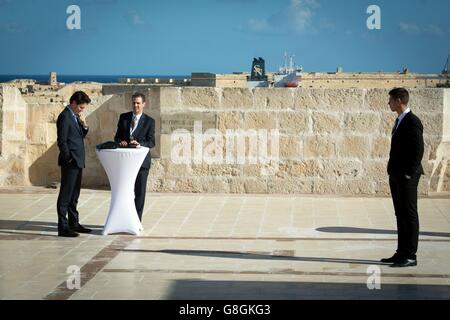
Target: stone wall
column 13, row 137
column 347, row 80
column 331, row 141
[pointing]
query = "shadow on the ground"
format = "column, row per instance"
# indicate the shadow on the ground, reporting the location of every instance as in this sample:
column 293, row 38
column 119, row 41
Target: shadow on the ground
column 40, row 226
column 252, row 255
column 196, row 289
column 377, row 231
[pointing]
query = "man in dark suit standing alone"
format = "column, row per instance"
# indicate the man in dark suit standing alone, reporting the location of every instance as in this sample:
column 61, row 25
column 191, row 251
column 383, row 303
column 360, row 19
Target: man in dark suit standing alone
column 404, row 170
column 137, row 128
column 72, row 129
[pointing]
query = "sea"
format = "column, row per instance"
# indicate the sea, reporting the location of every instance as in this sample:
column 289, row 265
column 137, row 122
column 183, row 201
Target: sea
column 86, row 78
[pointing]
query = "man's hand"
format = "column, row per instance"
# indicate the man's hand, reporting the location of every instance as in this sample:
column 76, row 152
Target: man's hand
column 82, row 120
column 134, row 142
column 123, row 143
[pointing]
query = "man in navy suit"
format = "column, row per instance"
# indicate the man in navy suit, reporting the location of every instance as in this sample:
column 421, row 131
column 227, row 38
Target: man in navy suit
column 137, row 128
column 404, row 170
column 72, row 129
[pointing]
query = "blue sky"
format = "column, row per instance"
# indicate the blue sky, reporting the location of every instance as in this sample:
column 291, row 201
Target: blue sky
column 173, row 37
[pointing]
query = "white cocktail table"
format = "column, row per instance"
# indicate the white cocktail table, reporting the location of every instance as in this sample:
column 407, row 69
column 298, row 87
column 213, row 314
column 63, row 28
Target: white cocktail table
column 122, row 166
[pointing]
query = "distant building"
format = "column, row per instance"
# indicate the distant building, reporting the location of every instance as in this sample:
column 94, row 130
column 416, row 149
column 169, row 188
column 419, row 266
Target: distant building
column 219, row 80
column 53, row 81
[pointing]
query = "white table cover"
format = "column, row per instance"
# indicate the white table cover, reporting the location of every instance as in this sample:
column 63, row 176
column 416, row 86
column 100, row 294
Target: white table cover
column 122, row 167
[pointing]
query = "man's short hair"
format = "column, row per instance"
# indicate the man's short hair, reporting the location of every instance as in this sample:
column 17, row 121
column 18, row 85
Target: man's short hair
column 137, row 95
column 80, row 97
column 400, row 93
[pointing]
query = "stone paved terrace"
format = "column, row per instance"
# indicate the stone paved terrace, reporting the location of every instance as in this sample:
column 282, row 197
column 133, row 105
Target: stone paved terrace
column 207, row 246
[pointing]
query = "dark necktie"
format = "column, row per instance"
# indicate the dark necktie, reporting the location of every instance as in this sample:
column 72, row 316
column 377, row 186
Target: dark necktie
column 395, row 126
column 78, row 120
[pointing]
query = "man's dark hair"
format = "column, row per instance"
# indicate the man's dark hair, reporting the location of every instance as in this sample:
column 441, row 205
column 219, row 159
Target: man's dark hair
column 80, row 97
column 400, row 93
column 137, row 95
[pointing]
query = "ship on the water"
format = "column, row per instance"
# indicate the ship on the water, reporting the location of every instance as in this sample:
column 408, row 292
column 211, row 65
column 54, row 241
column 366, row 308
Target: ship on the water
column 288, row 75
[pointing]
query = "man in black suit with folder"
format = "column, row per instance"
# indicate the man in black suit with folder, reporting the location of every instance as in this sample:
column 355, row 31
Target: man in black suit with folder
column 137, row 128
column 71, row 130
column 404, row 170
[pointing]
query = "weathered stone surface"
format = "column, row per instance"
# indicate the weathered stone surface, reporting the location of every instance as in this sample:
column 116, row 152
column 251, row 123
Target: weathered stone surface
column 375, row 168
column 329, row 99
column 326, row 122
column 12, row 171
column 353, row 147
column 236, row 185
column 157, row 168
column 432, row 123
column 340, row 169
column 187, row 121
column 259, row 120
column 429, row 100
column 289, row 185
column 291, row 147
column 361, row 123
column 345, row 187
column 229, row 120
column 215, row 185
column 177, row 170
column 377, row 100
column 381, row 147
column 319, row 147
column 192, row 185
column 273, row 98
column 215, row 170
column 255, row 185
column 251, row 170
column 387, row 122
column 197, row 97
column 292, row 122
column 167, row 98
column 237, row 98
column 431, row 145
column 382, row 187
column 305, row 169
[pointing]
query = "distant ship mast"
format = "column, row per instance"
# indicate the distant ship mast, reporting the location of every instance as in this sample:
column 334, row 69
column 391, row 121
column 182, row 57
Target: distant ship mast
column 447, row 66
column 289, row 69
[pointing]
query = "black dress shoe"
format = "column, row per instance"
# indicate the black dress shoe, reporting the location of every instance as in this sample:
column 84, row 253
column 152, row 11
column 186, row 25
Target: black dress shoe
column 79, row 228
column 405, row 263
column 395, row 258
column 68, row 234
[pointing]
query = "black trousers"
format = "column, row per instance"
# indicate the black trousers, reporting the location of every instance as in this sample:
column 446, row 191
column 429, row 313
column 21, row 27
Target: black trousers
column 404, row 196
column 140, row 187
column 68, row 197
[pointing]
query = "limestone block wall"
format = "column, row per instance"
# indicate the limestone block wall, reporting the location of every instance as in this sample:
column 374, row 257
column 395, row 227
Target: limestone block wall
column 328, row 141
column 371, row 80
column 42, row 151
column 331, row 141
column 13, row 137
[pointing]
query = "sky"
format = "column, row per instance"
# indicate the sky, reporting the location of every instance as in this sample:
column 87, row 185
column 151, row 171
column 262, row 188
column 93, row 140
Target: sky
column 174, row 37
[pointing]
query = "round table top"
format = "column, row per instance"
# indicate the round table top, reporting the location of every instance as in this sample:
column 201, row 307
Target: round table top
column 124, row 150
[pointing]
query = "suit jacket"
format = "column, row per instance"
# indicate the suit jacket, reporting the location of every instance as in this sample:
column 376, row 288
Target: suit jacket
column 144, row 133
column 70, row 140
column 407, row 148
